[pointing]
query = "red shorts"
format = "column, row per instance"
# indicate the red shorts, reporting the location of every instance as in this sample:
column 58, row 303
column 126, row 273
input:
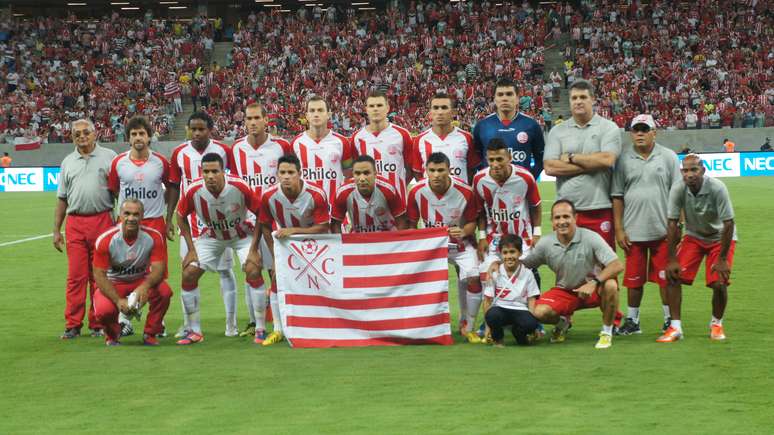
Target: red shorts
column 690, row 253
column 600, row 221
column 565, row 302
column 646, row 261
column 157, row 224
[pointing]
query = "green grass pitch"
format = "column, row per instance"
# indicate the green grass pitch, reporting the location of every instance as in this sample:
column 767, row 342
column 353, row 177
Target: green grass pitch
column 230, row 385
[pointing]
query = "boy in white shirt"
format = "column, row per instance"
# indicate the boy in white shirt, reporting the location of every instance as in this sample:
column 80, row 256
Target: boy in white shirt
column 516, row 291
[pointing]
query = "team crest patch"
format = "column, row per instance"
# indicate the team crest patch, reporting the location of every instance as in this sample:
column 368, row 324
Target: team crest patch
column 605, row 226
column 455, row 214
column 334, row 158
column 273, row 164
column 139, row 176
column 234, row 208
column 392, row 150
column 380, row 211
column 522, row 137
column 459, row 154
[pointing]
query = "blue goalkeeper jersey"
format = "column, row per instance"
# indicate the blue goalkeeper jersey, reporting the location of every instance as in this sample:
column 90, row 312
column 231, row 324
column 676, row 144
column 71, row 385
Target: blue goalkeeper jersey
column 523, row 136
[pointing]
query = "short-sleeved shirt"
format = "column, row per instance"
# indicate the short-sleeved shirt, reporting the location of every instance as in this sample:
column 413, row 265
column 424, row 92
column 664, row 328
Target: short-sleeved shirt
column 644, row 185
column 573, row 264
column 456, row 207
column 375, row 213
column 705, row 211
column 143, row 180
column 309, row 208
column 587, row 191
column 513, row 292
column 127, row 261
column 83, row 181
column 323, row 162
column 457, row 146
column 391, row 150
column 257, row 166
column 507, row 205
column 224, row 216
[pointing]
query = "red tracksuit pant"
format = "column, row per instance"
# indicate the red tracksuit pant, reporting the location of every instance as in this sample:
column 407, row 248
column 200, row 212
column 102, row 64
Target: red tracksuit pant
column 107, row 311
column 81, row 233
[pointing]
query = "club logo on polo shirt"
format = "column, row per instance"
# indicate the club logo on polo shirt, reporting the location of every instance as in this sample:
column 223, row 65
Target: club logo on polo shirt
column 392, row 150
column 522, row 137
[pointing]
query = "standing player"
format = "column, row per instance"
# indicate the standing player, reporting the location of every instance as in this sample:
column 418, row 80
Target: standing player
column 82, row 196
column 581, row 153
column 586, row 269
column 511, row 203
column 255, row 161
column 373, row 204
column 142, row 174
column 711, row 232
column 326, row 156
column 185, row 167
column 445, row 138
column 388, row 144
column 221, row 203
column 294, row 206
column 522, row 135
column 642, row 179
column 444, row 201
column 131, row 258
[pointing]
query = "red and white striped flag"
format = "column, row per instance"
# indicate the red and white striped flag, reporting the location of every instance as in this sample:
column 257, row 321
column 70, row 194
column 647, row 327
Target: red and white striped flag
column 364, row 289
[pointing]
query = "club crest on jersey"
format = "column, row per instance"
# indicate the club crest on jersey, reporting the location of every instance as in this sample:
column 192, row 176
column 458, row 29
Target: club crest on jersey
column 517, row 200
column 335, row 157
column 131, row 255
column 459, row 154
column 273, row 164
column 455, row 214
column 139, row 176
column 234, row 208
column 313, row 263
column 392, row 150
column 522, row 137
column 380, row 211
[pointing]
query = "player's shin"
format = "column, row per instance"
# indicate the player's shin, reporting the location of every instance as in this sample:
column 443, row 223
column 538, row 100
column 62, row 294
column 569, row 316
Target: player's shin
column 257, row 291
column 274, row 301
column 474, row 297
column 229, row 293
column 191, row 297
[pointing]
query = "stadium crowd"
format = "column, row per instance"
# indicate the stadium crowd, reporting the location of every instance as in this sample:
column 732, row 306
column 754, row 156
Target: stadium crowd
column 58, row 70
column 706, row 64
column 692, row 67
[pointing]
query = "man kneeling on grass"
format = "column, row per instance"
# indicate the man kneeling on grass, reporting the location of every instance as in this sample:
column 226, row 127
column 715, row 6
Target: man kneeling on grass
column 510, row 295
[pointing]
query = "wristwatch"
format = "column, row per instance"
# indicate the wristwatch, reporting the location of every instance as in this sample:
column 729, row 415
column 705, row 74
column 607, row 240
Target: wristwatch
column 596, row 280
column 569, row 157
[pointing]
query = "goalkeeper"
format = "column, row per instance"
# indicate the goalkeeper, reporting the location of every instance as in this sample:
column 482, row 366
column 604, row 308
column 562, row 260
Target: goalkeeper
column 129, row 265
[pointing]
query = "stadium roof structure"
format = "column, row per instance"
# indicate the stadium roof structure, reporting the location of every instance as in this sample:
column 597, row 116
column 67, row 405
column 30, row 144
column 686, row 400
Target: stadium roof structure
column 170, row 8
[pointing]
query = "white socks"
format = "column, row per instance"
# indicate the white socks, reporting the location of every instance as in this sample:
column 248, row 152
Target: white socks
column 462, row 299
column 258, row 300
column 250, row 303
column 607, row 329
column 275, row 312
column 667, row 313
column 677, row 325
column 716, row 321
column 473, row 305
column 634, row 314
column 229, row 293
column 191, row 310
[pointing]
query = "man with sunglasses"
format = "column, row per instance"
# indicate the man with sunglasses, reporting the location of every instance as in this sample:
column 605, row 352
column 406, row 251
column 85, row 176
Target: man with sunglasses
column 642, row 179
column 83, row 197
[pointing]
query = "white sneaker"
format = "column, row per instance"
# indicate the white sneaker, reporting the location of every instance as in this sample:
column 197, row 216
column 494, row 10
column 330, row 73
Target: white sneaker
column 232, row 331
column 182, row 332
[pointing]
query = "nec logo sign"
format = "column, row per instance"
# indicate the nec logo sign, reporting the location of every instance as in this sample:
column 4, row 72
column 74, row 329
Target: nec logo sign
column 758, row 164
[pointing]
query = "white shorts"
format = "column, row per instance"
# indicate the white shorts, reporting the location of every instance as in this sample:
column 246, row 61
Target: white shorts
column 211, row 251
column 466, row 260
column 225, row 262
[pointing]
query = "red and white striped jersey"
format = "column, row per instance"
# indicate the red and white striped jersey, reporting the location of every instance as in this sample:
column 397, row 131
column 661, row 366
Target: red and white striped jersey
column 140, row 179
column 366, row 215
column 507, row 204
column 454, row 208
column 257, row 166
column 323, row 161
column 186, row 162
column 185, row 167
column 391, row 149
column 457, row 145
column 224, row 216
column 309, row 208
column 129, row 260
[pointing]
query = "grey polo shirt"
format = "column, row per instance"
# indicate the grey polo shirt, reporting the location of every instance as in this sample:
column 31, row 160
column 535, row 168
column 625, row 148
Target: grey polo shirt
column 83, row 181
column 573, row 264
column 705, row 211
column 587, row 191
column 644, row 185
